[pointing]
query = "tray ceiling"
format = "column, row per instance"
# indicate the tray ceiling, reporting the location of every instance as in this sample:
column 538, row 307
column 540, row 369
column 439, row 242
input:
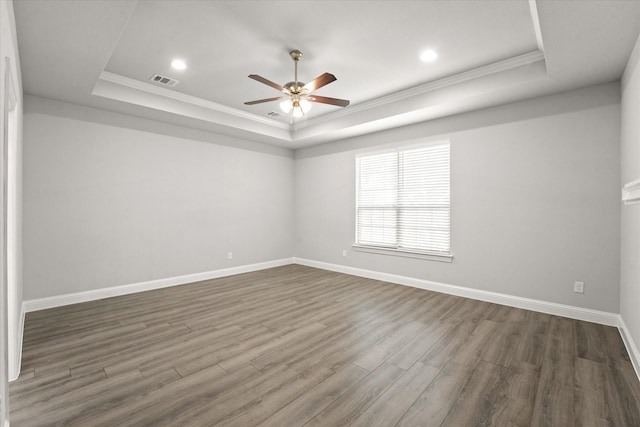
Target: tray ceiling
column 102, row 54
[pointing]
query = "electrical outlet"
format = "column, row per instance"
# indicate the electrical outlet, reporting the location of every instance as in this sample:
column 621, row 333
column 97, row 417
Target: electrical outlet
column 229, row 255
column 578, row 287
column 344, row 252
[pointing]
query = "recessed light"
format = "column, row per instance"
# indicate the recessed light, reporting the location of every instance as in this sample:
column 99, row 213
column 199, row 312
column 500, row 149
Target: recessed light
column 428, row 55
column 178, row 64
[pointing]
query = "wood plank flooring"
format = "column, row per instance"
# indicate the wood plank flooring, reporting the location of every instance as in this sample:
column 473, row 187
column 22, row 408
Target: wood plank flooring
column 297, row 346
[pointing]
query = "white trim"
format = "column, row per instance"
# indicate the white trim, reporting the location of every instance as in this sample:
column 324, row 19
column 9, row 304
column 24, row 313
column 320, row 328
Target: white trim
column 632, row 348
column 15, row 374
column 631, row 192
column 452, row 80
column 178, row 96
column 533, row 8
column 402, row 253
column 572, row 312
column 60, row 300
column 120, row 81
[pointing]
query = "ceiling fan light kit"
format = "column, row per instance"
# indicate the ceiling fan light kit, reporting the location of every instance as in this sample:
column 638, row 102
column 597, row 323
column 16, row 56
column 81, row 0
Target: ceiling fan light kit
column 298, row 99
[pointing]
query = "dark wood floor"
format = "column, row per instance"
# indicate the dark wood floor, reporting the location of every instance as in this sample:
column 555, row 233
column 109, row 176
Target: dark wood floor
column 294, row 346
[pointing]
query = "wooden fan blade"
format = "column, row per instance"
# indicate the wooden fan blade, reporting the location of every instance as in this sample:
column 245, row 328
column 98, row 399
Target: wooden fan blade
column 319, row 81
column 260, row 101
column 330, row 101
column 268, row 82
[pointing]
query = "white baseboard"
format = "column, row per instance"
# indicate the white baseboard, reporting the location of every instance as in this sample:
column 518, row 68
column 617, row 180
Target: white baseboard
column 60, row 300
column 14, row 371
column 632, row 348
column 578, row 313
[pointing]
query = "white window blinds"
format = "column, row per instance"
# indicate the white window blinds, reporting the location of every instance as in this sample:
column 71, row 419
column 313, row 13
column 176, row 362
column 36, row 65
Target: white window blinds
column 402, row 200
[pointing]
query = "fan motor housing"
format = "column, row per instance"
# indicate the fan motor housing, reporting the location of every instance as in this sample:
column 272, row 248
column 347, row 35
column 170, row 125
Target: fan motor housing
column 294, row 87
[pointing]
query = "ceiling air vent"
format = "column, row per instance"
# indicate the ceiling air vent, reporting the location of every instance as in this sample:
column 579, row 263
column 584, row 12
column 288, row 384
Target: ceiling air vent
column 274, row 114
column 157, row 78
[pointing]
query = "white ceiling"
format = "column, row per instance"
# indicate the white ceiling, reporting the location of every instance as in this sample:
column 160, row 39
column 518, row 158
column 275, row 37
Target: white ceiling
column 102, row 54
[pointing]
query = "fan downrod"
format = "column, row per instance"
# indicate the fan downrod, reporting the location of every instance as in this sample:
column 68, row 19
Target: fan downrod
column 295, row 87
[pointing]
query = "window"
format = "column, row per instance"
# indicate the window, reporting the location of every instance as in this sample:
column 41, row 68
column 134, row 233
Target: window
column 403, row 203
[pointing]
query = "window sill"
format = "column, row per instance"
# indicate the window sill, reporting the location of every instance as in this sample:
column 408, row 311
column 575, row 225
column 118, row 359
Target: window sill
column 401, row 253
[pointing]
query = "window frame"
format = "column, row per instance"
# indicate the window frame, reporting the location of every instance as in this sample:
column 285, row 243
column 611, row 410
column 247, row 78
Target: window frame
column 395, row 251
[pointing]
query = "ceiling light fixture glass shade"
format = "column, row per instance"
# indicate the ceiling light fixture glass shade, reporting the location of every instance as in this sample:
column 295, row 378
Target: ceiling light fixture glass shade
column 285, row 106
column 297, row 105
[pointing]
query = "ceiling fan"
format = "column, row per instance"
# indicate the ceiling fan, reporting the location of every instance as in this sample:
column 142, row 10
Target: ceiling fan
column 298, row 97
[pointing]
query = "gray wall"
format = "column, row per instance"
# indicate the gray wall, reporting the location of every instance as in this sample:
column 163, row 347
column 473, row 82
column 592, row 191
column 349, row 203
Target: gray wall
column 630, row 235
column 109, row 202
column 535, row 199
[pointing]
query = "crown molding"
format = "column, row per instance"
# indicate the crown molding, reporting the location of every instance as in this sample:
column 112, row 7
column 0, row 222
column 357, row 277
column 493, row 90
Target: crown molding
column 188, row 99
column 376, row 114
column 455, row 79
